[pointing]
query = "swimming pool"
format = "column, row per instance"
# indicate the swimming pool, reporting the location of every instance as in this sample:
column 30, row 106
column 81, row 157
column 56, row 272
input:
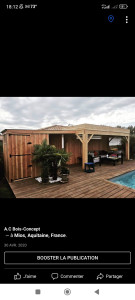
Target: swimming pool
column 127, row 179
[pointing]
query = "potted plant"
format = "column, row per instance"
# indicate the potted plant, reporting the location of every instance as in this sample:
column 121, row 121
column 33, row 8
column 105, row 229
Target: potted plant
column 49, row 158
column 40, row 157
column 45, row 173
column 64, row 173
column 53, row 161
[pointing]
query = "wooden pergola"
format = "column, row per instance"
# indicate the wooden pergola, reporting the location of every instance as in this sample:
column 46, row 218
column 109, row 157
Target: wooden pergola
column 85, row 132
column 18, row 145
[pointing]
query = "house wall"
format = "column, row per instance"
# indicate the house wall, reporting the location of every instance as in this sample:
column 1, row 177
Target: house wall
column 74, row 146
column 5, row 156
column 71, row 144
column 18, row 147
column 56, row 140
column 102, row 144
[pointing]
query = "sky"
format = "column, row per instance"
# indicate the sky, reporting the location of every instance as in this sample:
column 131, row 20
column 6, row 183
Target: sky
column 40, row 112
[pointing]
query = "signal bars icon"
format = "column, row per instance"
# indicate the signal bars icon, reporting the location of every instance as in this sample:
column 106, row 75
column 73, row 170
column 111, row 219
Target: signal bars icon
column 126, row 19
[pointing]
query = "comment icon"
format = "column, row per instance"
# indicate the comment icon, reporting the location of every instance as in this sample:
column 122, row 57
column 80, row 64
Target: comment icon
column 54, row 276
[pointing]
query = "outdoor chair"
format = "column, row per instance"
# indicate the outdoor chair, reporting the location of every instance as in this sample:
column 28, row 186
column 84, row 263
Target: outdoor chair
column 94, row 159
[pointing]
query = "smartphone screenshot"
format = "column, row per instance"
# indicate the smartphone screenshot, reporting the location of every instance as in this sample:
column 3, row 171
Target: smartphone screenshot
column 67, row 168
column 67, row 151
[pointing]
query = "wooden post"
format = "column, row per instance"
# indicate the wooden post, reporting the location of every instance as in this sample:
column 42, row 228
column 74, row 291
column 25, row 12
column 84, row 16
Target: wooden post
column 47, row 139
column 5, row 154
column 9, row 161
column 127, row 146
column 84, row 140
column 84, row 150
column 62, row 141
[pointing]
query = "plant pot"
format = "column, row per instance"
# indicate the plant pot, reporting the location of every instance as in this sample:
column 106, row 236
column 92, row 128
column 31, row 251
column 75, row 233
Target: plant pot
column 45, row 174
column 45, row 180
column 64, row 177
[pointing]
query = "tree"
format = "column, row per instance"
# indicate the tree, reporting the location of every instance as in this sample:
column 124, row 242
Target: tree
column 132, row 129
column 132, row 141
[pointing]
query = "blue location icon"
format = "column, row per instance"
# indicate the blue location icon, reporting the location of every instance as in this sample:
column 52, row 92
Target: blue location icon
column 110, row 18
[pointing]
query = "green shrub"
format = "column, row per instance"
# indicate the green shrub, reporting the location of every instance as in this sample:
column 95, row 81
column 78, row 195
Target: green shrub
column 49, row 158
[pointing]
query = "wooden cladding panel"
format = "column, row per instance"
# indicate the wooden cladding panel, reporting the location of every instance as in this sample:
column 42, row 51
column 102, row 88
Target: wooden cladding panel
column 74, row 146
column 13, row 151
column 8, row 153
column 34, row 167
column 4, row 153
column 5, row 156
column 36, row 139
column 71, row 144
column 16, row 161
column 18, row 157
column 56, row 140
column 25, row 157
column 97, row 145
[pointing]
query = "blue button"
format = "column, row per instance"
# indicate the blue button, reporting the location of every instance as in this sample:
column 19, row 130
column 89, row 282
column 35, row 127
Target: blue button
column 111, row 18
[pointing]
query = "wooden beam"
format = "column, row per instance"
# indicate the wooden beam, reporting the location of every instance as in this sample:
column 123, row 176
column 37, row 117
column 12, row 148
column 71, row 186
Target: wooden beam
column 113, row 132
column 110, row 139
column 23, row 131
column 81, row 139
column 88, row 139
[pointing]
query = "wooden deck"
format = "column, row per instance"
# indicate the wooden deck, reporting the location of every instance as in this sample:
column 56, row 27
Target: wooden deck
column 80, row 185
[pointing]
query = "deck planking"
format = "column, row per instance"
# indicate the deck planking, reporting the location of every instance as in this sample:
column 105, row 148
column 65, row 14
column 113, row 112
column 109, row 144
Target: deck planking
column 80, row 185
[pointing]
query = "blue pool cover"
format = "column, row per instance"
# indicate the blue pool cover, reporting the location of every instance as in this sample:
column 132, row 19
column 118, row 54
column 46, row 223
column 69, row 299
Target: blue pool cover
column 127, row 179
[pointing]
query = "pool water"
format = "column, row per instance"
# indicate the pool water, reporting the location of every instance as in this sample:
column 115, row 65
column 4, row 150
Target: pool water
column 127, row 179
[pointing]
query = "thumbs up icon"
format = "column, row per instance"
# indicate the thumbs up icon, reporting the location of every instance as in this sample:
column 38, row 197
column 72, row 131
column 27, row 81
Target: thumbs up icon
column 17, row 276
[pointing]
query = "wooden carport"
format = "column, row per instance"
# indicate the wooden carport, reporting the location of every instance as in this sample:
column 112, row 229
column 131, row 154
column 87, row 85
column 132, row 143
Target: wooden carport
column 18, row 145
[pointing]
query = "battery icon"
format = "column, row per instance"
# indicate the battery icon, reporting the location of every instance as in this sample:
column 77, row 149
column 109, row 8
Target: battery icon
column 123, row 6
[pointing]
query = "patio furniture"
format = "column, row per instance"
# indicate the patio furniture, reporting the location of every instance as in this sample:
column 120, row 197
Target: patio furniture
column 89, row 167
column 113, row 158
column 94, row 159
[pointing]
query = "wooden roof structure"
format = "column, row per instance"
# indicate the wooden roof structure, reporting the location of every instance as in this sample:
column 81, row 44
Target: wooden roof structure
column 89, row 128
column 83, row 132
